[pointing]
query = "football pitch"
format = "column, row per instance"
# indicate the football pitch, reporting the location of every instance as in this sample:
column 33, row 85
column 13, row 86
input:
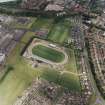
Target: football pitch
column 48, row 53
column 59, row 32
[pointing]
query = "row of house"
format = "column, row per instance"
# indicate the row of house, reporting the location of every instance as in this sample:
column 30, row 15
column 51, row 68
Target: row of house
column 97, row 51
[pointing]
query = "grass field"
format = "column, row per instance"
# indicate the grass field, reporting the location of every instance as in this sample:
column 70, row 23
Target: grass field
column 27, row 37
column 15, row 81
column 42, row 23
column 59, row 32
column 66, row 80
column 48, row 53
column 71, row 65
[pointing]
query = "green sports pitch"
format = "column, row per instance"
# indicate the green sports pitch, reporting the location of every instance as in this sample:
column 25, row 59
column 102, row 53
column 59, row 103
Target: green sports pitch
column 48, row 53
column 59, row 32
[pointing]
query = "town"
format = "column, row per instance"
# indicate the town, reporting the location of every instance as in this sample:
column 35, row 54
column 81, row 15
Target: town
column 52, row 52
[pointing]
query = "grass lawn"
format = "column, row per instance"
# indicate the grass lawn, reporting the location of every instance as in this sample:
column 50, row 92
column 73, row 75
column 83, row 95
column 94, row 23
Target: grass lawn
column 27, row 37
column 66, row 80
column 70, row 81
column 42, row 23
column 71, row 65
column 18, row 79
column 59, row 32
column 48, row 53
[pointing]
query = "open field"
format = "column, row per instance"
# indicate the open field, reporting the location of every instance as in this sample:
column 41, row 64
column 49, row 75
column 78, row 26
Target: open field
column 59, row 32
column 66, row 80
column 42, row 23
column 71, row 81
column 15, row 81
column 27, row 37
column 48, row 53
column 71, row 65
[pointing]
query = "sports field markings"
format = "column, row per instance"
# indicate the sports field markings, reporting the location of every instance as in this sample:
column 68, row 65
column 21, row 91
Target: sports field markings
column 48, row 53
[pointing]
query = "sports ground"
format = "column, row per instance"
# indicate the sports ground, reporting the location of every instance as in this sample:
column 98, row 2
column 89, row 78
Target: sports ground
column 48, row 53
column 59, row 33
column 14, row 82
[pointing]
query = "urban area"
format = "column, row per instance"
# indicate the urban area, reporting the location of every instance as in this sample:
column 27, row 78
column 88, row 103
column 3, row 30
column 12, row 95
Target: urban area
column 52, row 52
